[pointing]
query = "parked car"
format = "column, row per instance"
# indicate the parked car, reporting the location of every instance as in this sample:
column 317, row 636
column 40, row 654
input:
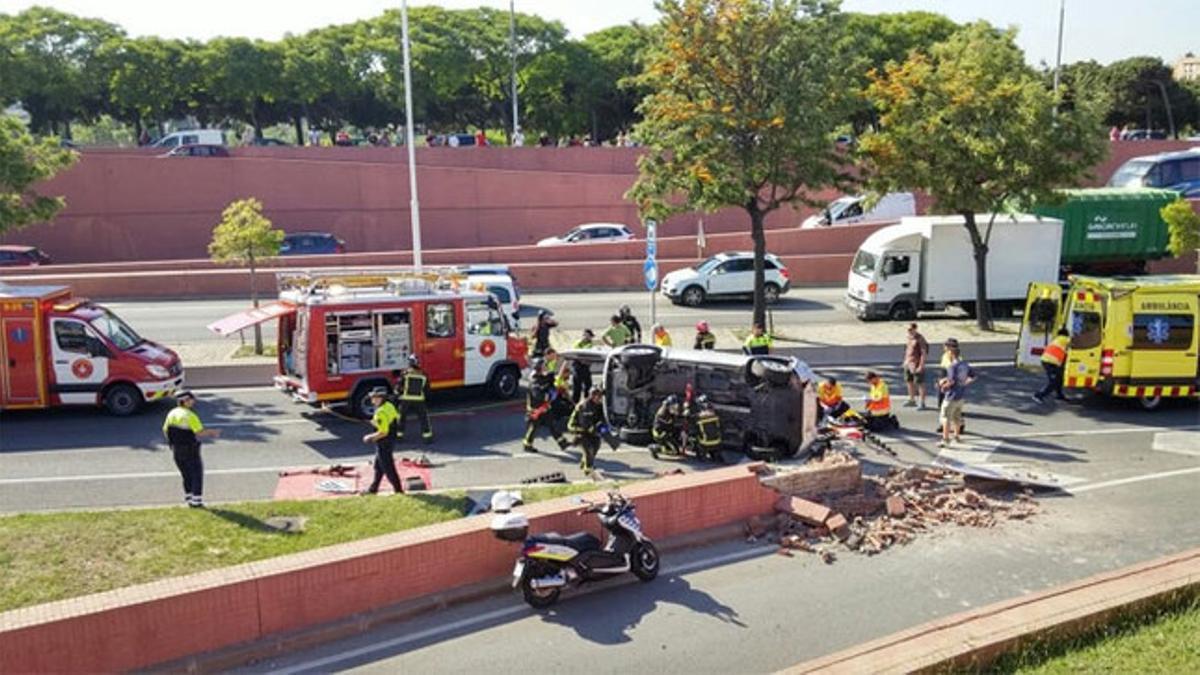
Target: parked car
column 725, row 275
column 850, row 209
column 1143, row 135
column 591, row 233
column 504, row 288
column 487, row 270
column 767, row 404
column 198, row 150
column 269, row 142
column 1178, row 171
column 191, row 137
column 311, row 243
column 16, row 255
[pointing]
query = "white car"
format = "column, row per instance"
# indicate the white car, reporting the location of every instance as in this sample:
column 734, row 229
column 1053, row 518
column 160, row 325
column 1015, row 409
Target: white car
column 504, row 288
column 849, row 210
column 591, row 233
column 725, row 274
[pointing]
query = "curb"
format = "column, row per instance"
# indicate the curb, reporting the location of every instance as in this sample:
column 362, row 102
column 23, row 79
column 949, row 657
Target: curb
column 974, row 639
column 252, row 653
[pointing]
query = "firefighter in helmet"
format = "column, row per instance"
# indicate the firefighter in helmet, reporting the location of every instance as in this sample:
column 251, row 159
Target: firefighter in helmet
column 704, row 337
column 411, row 387
column 539, row 406
column 587, row 423
column 666, row 428
column 708, row 429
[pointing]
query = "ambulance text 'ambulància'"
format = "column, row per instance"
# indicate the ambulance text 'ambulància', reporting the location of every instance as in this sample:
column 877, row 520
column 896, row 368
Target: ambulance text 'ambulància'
column 60, row 350
column 1131, row 337
column 342, row 334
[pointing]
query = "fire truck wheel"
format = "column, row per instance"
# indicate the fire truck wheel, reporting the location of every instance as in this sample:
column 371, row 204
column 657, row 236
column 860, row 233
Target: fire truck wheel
column 122, row 400
column 361, row 400
column 505, row 382
column 1150, row 402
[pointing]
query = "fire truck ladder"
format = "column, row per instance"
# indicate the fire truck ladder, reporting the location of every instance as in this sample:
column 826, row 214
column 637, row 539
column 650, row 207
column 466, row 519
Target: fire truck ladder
column 399, row 281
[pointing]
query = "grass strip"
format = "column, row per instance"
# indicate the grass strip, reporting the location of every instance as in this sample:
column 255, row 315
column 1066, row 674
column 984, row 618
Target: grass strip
column 52, row 556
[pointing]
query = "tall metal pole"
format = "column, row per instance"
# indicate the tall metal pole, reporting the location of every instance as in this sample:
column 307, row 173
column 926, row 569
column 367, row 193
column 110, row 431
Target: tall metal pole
column 414, row 204
column 512, row 42
column 1062, row 12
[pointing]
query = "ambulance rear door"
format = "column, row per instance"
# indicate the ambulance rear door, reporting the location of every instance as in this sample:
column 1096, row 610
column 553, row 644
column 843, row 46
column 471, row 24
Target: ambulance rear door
column 1164, row 338
column 1085, row 321
column 1043, row 303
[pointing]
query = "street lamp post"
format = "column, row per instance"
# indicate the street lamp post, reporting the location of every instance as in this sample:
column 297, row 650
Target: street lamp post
column 512, row 41
column 1062, row 13
column 414, row 204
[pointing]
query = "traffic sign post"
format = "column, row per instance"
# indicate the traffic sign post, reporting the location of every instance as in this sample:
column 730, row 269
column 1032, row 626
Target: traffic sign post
column 650, row 268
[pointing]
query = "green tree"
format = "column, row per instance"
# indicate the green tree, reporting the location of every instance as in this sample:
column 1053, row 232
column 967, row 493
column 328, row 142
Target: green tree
column 1135, row 88
column 974, row 126
column 245, row 236
column 1184, row 225
column 25, row 161
column 746, row 96
column 143, row 79
column 245, row 80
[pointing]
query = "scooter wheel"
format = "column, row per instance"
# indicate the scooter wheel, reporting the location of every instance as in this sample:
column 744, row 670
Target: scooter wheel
column 645, row 561
column 538, row 598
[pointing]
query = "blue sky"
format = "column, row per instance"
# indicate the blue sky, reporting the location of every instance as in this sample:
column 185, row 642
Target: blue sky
column 1104, row 30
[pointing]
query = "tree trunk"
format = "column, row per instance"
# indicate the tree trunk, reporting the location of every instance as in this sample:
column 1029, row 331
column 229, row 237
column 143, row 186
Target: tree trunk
column 258, row 343
column 983, row 311
column 299, row 122
column 760, row 252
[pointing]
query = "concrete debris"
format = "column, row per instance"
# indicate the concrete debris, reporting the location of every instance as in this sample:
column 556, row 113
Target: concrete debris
column 889, row 511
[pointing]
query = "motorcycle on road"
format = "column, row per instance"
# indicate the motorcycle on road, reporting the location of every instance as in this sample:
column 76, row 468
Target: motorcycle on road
column 551, row 562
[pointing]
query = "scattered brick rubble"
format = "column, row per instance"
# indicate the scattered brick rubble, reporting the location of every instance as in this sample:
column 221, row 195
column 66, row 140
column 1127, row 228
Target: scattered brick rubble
column 883, row 512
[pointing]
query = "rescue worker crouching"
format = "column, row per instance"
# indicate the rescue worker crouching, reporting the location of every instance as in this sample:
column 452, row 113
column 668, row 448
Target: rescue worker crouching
column 879, row 405
column 412, row 385
column 384, row 437
column 539, row 406
column 704, row 338
column 830, row 398
column 667, row 428
column 587, row 423
column 1054, row 356
column 183, row 430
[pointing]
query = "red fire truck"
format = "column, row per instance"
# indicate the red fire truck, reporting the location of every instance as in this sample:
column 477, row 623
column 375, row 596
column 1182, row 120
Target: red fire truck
column 343, row 333
column 60, row 350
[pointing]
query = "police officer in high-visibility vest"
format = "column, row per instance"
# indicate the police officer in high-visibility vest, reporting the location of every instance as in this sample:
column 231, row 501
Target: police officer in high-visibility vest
column 411, row 389
column 1054, row 356
column 539, row 406
column 704, row 337
column 586, row 423
column 758, row 342
column 708, row 429
column 184, row 431
column 829, row 397
column 384, row 437
column 879, row 404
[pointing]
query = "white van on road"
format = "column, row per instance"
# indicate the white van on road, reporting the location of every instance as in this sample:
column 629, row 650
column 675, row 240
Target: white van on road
column 191, row 137
column 849, row 210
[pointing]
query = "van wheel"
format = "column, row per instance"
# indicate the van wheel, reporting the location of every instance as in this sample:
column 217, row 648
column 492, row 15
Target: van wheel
column 1150, row 402
column 640, row 356
column 771, row 293
column 634, row 436
column 122, row 400
column 505, row 382
column 774, row 372
column 360, row 402
column 692, row 296
column 902, row 311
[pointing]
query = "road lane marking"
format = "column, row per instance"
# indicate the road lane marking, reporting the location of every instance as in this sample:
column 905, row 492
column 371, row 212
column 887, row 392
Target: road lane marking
column 1178, row 442
column 323, row 664
column 1133, row 479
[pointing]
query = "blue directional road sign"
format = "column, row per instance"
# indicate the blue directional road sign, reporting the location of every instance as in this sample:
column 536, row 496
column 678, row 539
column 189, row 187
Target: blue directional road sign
column 650, row 272
column 651, row 239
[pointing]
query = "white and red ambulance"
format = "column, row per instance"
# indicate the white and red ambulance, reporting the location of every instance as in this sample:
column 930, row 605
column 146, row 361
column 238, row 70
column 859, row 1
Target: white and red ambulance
column 60, row 350
column 342, row 334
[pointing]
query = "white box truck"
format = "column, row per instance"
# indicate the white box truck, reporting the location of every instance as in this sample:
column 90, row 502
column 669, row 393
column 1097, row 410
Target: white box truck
column 926, row 263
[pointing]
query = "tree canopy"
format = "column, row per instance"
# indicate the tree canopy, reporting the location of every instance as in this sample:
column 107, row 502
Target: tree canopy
column 24, row 161
column 978, row 130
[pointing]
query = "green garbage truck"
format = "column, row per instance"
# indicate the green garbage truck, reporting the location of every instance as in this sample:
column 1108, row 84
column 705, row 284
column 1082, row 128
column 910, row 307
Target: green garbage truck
column 1110, row 231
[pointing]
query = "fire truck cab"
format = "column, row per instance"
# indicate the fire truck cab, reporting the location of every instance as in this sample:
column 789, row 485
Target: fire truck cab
column 60, row 350
column 342, row 334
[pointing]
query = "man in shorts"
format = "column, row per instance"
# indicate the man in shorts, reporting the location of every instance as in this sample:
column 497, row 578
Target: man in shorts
column 959, row 376
column 916, row 351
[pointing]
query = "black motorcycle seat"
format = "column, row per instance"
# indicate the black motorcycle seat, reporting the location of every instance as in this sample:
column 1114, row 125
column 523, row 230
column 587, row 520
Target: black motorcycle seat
column 580, row 541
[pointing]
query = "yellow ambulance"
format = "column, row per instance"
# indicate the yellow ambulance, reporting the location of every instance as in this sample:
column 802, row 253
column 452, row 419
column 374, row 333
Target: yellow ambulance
column 1131, row 337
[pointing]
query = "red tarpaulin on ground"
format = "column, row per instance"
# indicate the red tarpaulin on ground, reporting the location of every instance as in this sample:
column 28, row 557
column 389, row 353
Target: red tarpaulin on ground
column 347, row 481
column 255, row 315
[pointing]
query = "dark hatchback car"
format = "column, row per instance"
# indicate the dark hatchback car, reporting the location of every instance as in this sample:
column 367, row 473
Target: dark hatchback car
column 13, row 255
column 311, row 243
column 198, row 150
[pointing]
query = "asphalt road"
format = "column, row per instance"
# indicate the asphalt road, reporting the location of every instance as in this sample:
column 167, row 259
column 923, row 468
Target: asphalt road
column 75, row 458
column 180, row 321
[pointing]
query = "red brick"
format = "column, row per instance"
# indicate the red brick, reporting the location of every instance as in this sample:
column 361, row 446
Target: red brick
column 837, row 524
column 810, row 513
column 895, row 506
